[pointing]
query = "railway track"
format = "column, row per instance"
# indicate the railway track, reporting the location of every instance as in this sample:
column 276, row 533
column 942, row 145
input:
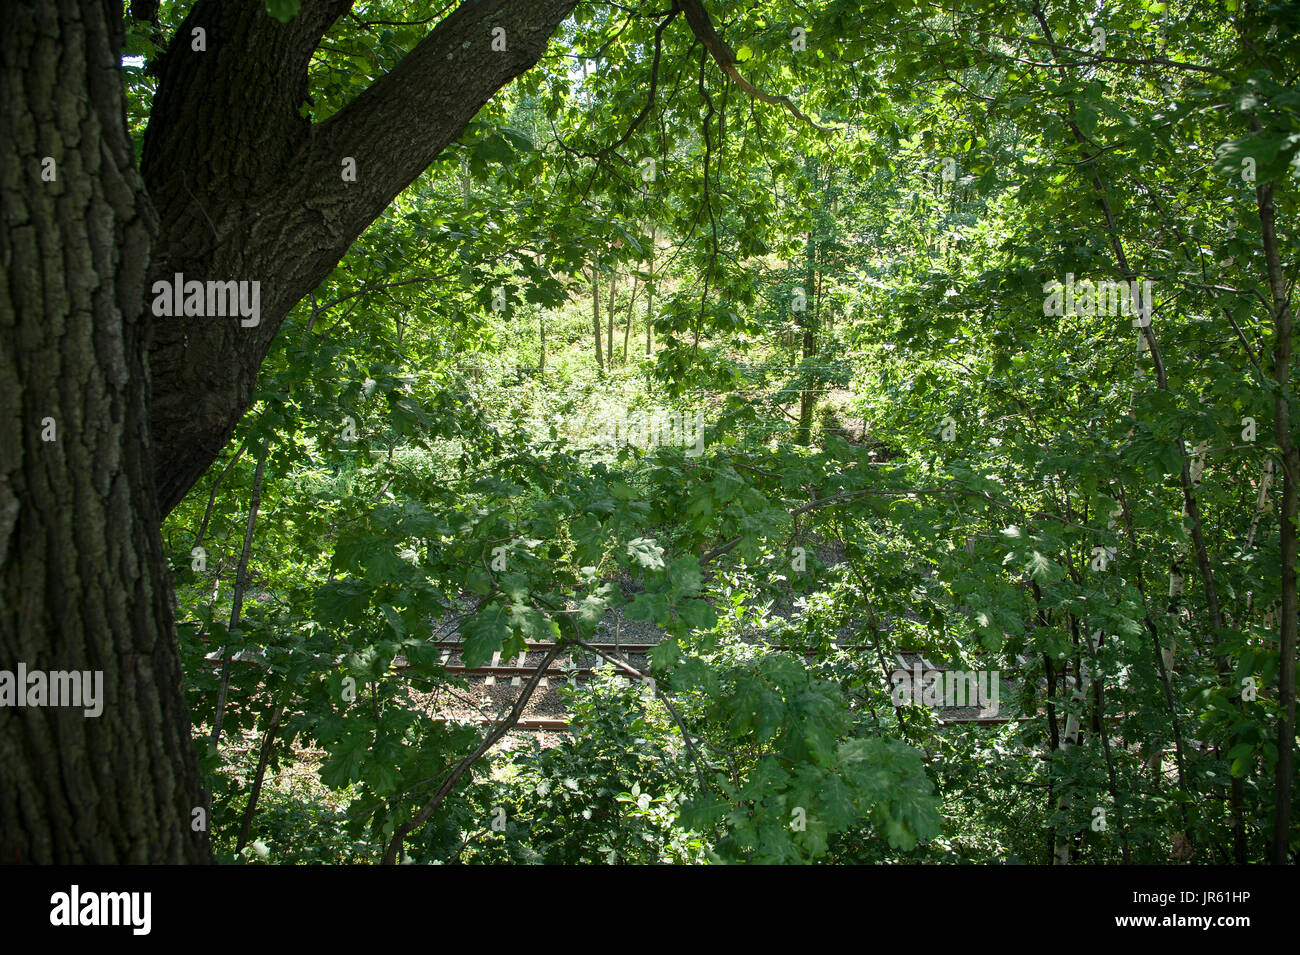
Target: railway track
column 520, row 669
column 580, row 664
column 555, row 725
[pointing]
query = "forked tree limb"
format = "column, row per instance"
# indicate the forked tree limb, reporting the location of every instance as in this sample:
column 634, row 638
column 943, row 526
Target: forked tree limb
column 463, row 767
column 668, row 704
column 247, row 188
column 725, row 57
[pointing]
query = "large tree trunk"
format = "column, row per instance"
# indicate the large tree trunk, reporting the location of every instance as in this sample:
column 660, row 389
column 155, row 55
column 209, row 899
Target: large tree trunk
column 83, row 583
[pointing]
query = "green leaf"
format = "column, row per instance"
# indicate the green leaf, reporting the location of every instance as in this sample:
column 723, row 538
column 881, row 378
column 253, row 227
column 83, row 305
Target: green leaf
column 340, row 602
column 1043, row 570
column 283, row 10
column 346, row 759
column 646, row 553
column 698, row 614
column 484, row 634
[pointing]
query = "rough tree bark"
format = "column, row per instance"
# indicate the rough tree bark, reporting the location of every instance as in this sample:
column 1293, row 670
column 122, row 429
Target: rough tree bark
column 83, row 582
column 234, row 185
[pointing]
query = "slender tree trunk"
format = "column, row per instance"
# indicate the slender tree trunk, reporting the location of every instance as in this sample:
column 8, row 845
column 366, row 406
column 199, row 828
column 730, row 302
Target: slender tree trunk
column 1190, row 504
column 808, row 319
column 241, row 585
column 595, row 318
column 1162, row 673
column 263, row 758
column 83, row 578
column 1053, row 740
column 1071, row 738
column 212, row 495
column 650, row 296
column 1177, row 579
column 1290, row 455
column 631, row 311
column 609, row 335
column 1112, row 776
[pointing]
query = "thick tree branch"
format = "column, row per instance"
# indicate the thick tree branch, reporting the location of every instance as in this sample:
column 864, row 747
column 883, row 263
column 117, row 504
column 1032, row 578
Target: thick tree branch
column 248, row 190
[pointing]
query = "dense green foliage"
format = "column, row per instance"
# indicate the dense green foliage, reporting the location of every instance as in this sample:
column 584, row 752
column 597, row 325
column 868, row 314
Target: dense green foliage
column 902, row 448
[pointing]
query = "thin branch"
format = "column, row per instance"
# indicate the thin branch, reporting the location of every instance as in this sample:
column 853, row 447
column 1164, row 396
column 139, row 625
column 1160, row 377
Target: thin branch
column 725, row 57
column 503, row 727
